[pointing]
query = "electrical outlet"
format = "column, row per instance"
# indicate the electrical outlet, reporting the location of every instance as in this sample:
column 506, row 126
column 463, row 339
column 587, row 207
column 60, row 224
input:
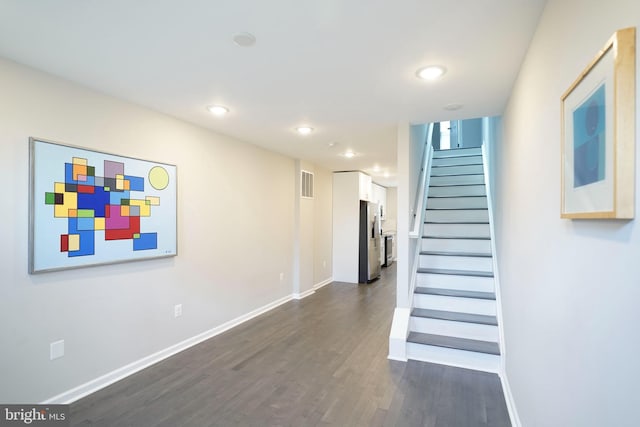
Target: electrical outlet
column 281, row 277
column 56, row 350
column 177, row 310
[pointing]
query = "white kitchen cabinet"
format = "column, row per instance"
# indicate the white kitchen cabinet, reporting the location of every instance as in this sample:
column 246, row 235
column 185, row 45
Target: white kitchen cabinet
column 379, row 196
column 365, row 186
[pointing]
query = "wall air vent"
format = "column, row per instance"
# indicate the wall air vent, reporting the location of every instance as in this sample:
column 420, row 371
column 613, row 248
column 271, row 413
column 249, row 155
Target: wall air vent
column 306, row 184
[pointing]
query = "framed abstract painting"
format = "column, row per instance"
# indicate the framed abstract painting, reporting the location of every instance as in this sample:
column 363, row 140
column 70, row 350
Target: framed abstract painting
column 598, row 135
column 89, row 208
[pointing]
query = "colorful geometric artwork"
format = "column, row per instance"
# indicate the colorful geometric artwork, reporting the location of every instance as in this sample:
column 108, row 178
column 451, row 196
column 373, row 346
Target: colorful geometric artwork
column 91, row 208
column 589, row 136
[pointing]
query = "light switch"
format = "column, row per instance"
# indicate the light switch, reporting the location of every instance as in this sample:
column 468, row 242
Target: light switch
column 56, row 349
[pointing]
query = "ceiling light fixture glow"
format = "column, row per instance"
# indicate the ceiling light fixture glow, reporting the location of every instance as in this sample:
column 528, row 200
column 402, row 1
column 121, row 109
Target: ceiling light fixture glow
column 304, row 130
column 218, row 110
column 432, row 72
column 349, row 154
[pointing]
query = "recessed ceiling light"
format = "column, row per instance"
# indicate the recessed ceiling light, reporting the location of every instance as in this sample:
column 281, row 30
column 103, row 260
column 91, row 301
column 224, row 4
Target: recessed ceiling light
column 386, row 174
column 376, row 168
column 244, row 39
column 431, row 72
column 332, row 144
column 218, row 110
column 453, row 107
column 304, row 130
column 349, row 154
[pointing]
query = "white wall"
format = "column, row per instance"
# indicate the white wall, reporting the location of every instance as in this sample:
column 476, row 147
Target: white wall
column 346, row 226
column 235, row 216
column 570, row 289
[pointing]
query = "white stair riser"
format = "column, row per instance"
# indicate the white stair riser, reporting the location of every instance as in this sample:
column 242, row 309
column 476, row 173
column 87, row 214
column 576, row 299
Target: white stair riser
column 457, row 202
column 456, row 230
column 455, row 262
column 475, row 151
column 450, row 328
column 457, row 215
column 466, row 160
column 456, row 191
column 459, row 305
column 456, row 179
column 457, row 245
column 455, row 170
column 460, row 283
column 452, row 357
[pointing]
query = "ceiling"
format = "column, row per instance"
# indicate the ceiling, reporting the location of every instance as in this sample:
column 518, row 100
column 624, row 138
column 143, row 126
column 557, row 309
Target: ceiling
column 344, row 67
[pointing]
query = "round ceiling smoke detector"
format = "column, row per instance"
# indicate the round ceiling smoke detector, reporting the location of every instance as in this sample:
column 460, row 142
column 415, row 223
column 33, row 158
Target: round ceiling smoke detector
column 453, row 107
column 244, row 39
column 432, row 72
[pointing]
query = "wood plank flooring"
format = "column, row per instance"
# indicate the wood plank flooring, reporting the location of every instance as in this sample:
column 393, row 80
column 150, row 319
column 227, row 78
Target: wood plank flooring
column 320, row 361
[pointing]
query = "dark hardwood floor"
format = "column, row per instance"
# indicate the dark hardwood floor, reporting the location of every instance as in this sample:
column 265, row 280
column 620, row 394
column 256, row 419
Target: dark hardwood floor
column 318, row 361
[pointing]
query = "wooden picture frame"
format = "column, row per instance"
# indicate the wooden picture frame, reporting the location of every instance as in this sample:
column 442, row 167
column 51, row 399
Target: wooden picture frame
column 598, row 135
column 89, row 208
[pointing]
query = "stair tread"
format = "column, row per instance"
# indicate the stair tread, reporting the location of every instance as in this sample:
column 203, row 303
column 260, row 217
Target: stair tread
column 457, row 222
column 456, row 272
column 461, row 152
column 457, row 197
column 455, row 316
column 456, row 237
column 458, row 185
column 468, row 185
column 454, row 343
column 455, row 293
column 454, row 253
column 458, row 209
column 455, row 166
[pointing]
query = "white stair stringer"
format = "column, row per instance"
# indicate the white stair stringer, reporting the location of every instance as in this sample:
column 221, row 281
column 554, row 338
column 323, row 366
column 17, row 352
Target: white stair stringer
column 453, row 318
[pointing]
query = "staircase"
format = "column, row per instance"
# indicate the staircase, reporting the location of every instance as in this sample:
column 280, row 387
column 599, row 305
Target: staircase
column 454, row 314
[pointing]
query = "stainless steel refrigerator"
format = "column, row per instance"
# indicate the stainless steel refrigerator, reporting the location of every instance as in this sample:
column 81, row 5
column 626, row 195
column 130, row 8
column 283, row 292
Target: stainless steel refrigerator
column 369, row 255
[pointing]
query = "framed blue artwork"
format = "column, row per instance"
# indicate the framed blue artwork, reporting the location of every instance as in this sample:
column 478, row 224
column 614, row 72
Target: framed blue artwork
column 89, row 208
column 598, row 135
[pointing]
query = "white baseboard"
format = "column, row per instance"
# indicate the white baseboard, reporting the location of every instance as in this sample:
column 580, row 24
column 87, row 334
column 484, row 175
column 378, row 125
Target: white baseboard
column 323, row 283
column 303, row 294
column 96, row 384
column 313, row 289
column 508, row 397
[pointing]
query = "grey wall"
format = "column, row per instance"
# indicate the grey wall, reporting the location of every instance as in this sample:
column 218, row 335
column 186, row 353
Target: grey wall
column 411, row 139
column 323, row 226
column 570, row 288
column 313, row 230
column 235, row 238
column 471, row 133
